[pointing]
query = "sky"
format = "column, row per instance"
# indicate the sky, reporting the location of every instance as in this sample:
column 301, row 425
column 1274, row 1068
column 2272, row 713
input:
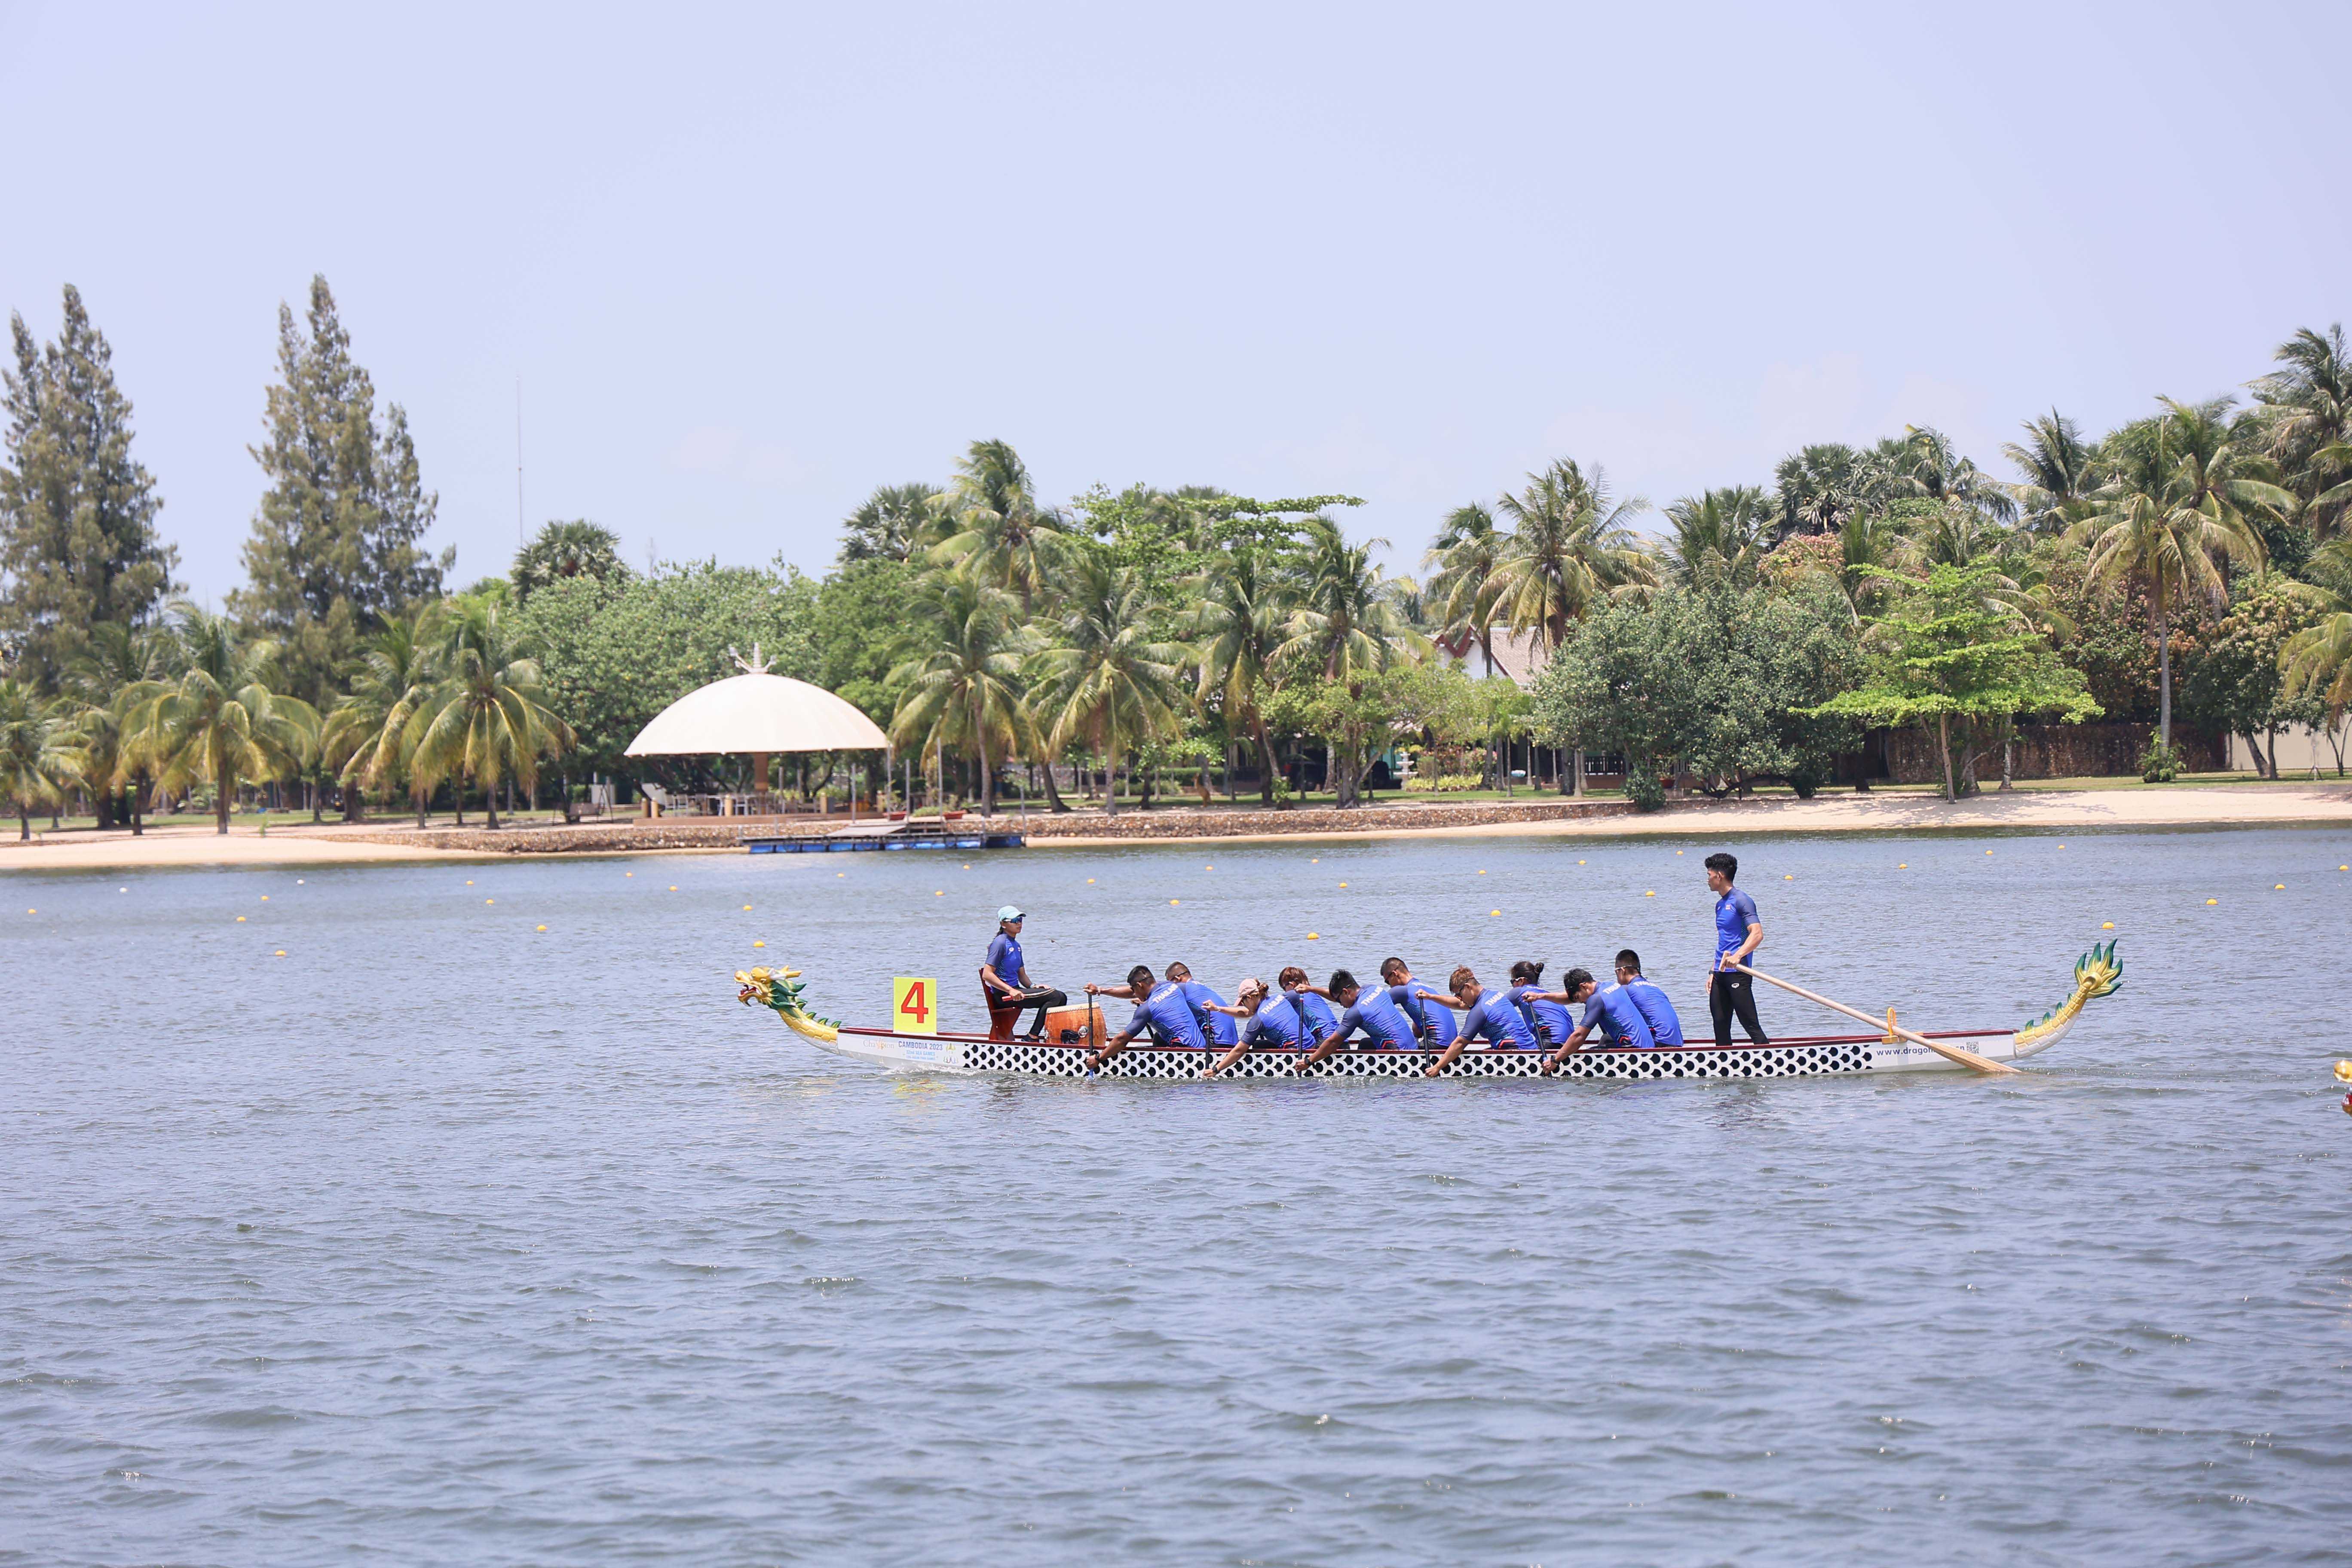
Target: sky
column 747, row 263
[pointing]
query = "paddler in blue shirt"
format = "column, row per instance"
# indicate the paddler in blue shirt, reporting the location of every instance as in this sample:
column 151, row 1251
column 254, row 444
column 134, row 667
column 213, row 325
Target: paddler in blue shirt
column 1608, row 1009
column 1542, row 1009
column 1656, row 1010
column 1161, row 1010
column 1293, row 1019
column 1434, row 1030
column 1369, row 1008
column 1209, row 1009
column 1004, row 982
column 1487, row 1016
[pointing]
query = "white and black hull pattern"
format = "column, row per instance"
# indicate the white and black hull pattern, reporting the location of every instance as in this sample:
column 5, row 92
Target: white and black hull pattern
column 1809, row 1057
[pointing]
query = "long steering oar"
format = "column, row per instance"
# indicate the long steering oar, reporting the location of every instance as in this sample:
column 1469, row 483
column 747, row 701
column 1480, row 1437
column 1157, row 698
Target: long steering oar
column 1954, row 1053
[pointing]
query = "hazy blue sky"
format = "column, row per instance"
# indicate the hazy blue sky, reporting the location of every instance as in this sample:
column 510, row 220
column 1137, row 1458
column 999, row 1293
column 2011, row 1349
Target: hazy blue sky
column 750, row 263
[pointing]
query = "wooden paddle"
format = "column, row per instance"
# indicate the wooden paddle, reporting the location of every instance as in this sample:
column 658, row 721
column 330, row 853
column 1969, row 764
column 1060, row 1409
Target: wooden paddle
column 1953, row 1053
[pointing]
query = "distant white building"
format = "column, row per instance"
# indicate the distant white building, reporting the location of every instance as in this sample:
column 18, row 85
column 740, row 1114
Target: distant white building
column 1519, row 654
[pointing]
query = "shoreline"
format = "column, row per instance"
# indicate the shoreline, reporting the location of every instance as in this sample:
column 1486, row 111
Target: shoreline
column 2215, row 807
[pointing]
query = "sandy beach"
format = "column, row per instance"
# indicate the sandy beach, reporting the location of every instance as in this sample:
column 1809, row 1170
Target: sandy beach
column 2224, row 806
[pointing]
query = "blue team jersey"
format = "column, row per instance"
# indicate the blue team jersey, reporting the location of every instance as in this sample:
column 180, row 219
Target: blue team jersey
column 1495, row 1020
column 1278, row 1021
column 1167, row 1014
column 1382, row 1021
column 1734, row 913
column 1219, row 1026
column 1611, row 1014
column 1546, row 1021
column 1005, row 957
column 1666, row 1026
column 1436, row 1015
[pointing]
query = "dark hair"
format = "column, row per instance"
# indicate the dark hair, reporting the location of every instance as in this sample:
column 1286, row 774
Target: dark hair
column 1174, row 966
column 1343, row 981
column 1294, row 975
column 1460, row 978
column 1628, row 959
column 1727, row 864
column 1391, row 967
column 1526, row 969
column 1575, row 980
column 1140, row 975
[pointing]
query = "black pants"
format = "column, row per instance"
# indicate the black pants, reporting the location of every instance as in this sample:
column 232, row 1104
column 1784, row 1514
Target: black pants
column 1044, row 1000
column 1729, row 992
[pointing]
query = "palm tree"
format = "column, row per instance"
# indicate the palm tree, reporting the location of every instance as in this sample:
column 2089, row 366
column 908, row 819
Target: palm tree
column 574, row 548
column 1821, row 488
column 1467, row 551
column 39, row 758
column 214, row 718
column 2060, row 470
column 367, row 737
column 1925, row 464
column 998, row 529
column 105, row 678
column 2173, row 511
column 1108, row 681
column 486, row 718
column 2319, row 657
column 1346, row 624
column 1238, row 629
column 895, row 523
column 1719, row 536
column 965, row 689
column 2306, row 413
column 1569, row 546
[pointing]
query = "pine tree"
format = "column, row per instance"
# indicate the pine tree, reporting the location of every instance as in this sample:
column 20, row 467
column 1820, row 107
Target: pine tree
column 336, row 546
column 77, row 542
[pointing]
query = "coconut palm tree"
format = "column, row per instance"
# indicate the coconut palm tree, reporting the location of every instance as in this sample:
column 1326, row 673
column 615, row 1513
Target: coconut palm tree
column 562, row 550
column 1467, row 551
column 2060, row 470
column 1108, row 680
column 2319, row 657
column 1244, row 606
column 485, row 718
column 896, row 522
column 366, row 738
column 2305, row 412
column 1569, row 546
column 1821, row 488
column 1924, row 463
column 40, row 759
column 1344, row 624
column 997, row 528
column 964, row 690
column 1719, row 536
column 214, row 717
column 2174, row 510
column 104, row 679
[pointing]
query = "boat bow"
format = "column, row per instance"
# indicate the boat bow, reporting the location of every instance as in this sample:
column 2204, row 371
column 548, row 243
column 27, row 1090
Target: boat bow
column 2096, row 974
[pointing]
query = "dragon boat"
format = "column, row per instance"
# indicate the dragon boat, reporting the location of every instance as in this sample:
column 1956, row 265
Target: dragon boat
column 2096, row 974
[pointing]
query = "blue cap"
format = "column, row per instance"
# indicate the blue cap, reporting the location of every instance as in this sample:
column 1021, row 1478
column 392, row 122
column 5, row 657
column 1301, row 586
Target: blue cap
column 1009, row 913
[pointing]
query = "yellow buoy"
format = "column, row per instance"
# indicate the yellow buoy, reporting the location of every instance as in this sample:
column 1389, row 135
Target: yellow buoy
column 280, row 953
column 1172, row 901
column 542, row 928
column 469, row 882
column 240, row 919
column 1988, row 851
column 941, row 893
column 1482, row 873
column 489, row 901
column 1652, row 893
column 1343, row 884
column 265, row 898
column 2213, row 901
column 1902, row 866
column 1312, row 937
column 758, row 945
column 1493, row 913
column 1579, row 862
column 1790, row 877
column 2106, row 925
column 1208, row 867
column 2281, row 888
column 1678, row 851
column 1090, row 881
column 836, row 873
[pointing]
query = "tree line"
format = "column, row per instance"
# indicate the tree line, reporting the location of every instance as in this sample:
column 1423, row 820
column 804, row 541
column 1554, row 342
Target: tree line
column 1149, row 639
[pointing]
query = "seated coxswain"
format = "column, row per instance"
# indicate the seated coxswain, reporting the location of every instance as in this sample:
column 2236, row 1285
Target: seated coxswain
column 1161, row 1010
column 1004, row 982
column 1369, row 1008
column 1606, row 1009
column 1487, row 1015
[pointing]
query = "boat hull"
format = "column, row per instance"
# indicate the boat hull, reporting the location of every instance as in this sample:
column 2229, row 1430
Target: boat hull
column 1809, row 1057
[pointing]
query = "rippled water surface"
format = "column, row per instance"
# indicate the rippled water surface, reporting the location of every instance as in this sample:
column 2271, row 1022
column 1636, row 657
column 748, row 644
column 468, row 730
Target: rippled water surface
column 442, row 1238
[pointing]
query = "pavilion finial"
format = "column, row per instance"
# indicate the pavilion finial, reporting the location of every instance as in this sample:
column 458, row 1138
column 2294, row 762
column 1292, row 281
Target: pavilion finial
column 755, row 665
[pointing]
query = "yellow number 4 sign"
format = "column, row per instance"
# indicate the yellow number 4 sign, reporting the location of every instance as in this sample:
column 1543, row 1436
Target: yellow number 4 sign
column 915, row 1006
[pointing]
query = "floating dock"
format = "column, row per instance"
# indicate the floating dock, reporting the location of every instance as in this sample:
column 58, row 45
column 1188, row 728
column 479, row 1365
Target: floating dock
column 929, row 833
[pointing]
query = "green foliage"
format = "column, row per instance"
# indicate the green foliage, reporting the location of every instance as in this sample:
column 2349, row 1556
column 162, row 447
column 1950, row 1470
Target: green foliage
column 1947, row 655
column 1728, row 681
column 563, row 550
column 1643, row 788
column 77, row 542
column 485, row 717
column 861, row 615
column 336, row 543
column 39, row 758
column 216, row 717
column 613, row 654
column 2160, row 764
column 2238, row 686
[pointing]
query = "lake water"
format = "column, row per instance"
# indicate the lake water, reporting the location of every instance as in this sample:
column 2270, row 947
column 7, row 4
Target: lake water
column 445, row 1239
